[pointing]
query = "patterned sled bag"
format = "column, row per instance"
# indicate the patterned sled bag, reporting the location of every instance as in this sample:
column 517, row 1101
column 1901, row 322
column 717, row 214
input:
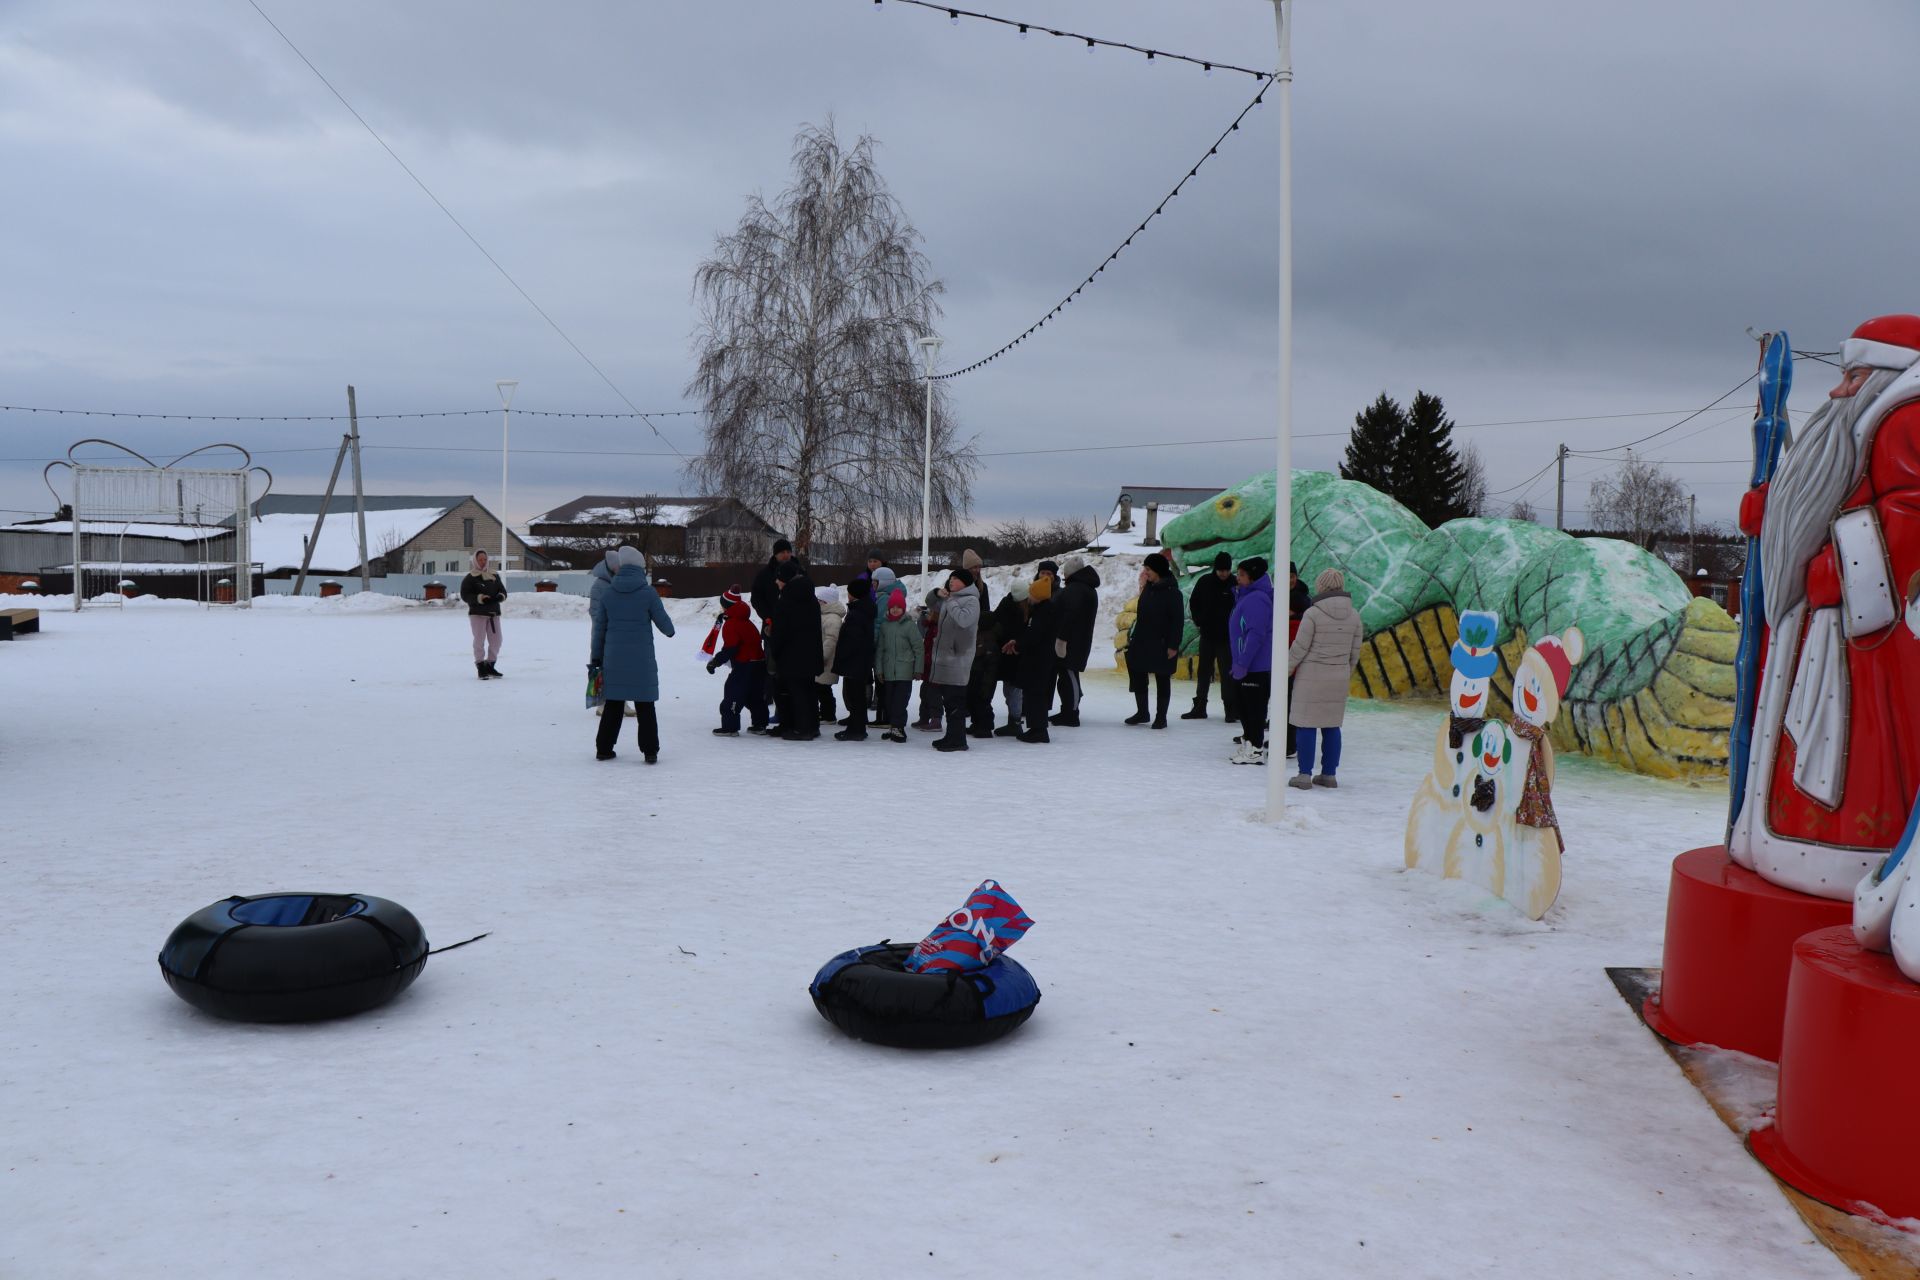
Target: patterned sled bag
column 971, row 937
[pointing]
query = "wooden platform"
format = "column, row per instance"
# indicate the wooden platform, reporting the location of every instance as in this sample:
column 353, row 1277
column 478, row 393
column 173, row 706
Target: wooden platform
column 14, row 622
column 1872, row 1249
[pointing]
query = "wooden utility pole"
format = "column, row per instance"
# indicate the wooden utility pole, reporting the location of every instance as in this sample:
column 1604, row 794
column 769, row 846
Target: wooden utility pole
column 359, row 493
column 1692, row 555
column 1560, row 491
column 320, row 517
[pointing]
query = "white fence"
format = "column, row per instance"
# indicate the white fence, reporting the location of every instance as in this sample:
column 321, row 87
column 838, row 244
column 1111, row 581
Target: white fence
column 413, row 586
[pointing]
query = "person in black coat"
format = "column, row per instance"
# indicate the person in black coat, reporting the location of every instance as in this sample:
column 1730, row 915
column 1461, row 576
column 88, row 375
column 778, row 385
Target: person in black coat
column 1211, row 604
column 853, row 659
column 1158, row 628
column 1009, row 625
column 762, row 596
column 765, row 592
column 1076, row 616
column 796, row 651
column 1038, row 659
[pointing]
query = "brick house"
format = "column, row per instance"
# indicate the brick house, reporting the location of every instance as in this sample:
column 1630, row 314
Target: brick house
column 405, row 534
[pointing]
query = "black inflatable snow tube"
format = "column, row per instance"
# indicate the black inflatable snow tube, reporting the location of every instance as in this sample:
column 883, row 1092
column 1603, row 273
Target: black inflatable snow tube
column 869, row 994
column 294, row 957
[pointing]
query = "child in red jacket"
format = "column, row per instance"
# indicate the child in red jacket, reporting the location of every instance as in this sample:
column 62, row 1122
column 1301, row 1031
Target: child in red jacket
column 736, row 640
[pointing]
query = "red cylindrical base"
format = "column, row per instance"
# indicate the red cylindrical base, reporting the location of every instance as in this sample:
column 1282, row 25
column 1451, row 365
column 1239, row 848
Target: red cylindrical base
column 1847, row 1124
column 1729, row 950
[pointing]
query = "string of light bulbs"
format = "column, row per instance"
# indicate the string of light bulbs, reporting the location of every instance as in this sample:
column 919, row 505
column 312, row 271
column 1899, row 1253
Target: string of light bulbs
column 1025, row 28
column 1193, row 171
column 337, row 417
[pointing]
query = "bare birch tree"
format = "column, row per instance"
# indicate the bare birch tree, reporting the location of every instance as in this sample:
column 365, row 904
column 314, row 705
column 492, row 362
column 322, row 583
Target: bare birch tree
column 1639, row 502
column 813, row 392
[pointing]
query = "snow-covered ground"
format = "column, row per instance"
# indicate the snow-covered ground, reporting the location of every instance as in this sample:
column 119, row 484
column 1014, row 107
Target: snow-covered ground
column 1261, row 1051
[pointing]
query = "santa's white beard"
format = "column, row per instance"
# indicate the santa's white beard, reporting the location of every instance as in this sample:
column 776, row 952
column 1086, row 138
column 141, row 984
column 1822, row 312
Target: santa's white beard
column 1813, row 479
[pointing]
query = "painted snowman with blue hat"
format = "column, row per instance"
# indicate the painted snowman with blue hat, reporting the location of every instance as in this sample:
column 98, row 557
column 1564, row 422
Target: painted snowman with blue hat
column 1444, row 794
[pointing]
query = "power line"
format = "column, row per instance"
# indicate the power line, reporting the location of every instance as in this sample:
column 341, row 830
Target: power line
column 1684, row 421
column 1193, row 171
column 241, row 417
column 1090, row 41
column 504, row 274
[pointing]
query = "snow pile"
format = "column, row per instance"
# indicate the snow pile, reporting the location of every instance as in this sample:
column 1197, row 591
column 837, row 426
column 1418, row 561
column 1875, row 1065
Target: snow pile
column 545, row 604
column 1111, row 542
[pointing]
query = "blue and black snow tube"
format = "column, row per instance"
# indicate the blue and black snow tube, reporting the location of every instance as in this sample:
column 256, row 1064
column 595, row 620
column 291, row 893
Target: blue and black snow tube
column 869, row 994
column 294, row 957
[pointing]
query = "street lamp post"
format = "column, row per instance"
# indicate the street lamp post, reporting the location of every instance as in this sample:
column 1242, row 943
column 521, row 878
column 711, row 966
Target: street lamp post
column 931, row 346
column 506, row 388
column 1283, row 434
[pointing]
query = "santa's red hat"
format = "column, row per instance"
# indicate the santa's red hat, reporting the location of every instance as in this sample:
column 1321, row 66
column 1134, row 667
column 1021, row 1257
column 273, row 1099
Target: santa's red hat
column 1885, row 342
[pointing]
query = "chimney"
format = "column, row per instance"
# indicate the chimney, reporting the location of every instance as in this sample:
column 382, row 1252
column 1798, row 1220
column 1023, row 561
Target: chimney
column 1126, row 514
column 1153, row 519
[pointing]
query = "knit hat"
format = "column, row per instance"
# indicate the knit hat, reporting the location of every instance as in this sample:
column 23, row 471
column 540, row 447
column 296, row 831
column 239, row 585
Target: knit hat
column 1560, row 653
column 730, row 597
column 613, row 558
column 781, row 544
column 966, row 578
column 1042, row 589
column 1158, row 563
column 1255, row 567
column 786, row 572
column 631, row 555
column 883, row 580
column 970, row 559
column 857, row 589
column 826, row 595
column 897, row 602
column 1293, row 568
column 1073, row 565
column 1048, row 566
column 1222, row 562
column 1473, row 653
column 1019, row 591
column 873, row 553
column 1329, row 580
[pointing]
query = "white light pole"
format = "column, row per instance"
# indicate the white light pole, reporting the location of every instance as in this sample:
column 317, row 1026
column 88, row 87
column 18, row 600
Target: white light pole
column 931, row 346
column 506, row 388
column 1283, row 434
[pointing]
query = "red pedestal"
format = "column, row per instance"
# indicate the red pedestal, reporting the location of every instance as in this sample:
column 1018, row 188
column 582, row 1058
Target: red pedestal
column 1729, row 950
column 1848, row 1124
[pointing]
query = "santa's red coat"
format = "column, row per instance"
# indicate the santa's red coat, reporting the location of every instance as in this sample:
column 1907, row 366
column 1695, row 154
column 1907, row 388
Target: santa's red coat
column 1882, row 774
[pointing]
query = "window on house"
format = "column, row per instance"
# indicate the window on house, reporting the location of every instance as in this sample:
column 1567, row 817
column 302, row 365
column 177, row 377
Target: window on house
column 466, row 532
column 427, row 568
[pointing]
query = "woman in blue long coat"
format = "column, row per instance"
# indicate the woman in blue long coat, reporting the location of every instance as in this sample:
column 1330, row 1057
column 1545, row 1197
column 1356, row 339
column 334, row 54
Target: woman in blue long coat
column 624, row 618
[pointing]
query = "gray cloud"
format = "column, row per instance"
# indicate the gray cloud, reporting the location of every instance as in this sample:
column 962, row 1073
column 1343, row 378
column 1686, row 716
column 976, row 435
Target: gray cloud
column 1534, row 211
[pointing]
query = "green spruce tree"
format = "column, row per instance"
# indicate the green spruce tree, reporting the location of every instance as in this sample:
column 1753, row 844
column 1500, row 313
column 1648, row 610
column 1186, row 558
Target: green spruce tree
column 1374, row 449
column 1430, row 479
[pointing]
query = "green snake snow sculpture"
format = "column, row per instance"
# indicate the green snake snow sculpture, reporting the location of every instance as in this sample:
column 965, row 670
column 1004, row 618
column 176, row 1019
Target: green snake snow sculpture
column 1655, row 693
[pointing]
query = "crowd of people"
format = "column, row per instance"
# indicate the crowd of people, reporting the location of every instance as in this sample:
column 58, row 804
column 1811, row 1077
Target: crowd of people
column 787, row 644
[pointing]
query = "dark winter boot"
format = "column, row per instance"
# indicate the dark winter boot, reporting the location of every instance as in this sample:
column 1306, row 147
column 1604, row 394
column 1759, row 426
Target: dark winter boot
column 1065, row 719
column 1038, row 733
column 1011, row 729
column 480, row 670
column 851, row 734
column 1160, row 708
column 493, row 672
column 1199, row 712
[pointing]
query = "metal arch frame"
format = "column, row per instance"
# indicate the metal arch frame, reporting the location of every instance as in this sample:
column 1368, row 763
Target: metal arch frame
column 247, row 468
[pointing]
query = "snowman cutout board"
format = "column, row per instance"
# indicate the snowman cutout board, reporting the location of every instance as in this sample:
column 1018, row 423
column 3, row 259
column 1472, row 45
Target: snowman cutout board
column 1534, row 842
column 1444, row 792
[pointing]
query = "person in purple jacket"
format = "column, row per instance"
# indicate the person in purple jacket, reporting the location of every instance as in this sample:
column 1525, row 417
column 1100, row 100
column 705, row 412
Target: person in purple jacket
column 1250, row 639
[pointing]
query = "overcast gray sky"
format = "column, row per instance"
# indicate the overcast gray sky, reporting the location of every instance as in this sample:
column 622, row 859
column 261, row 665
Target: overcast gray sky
column 1531, row 210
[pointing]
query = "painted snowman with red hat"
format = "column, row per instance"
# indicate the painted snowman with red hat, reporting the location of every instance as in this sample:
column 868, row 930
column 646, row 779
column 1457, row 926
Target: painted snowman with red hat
column 1836, row 733
column 1532, row 879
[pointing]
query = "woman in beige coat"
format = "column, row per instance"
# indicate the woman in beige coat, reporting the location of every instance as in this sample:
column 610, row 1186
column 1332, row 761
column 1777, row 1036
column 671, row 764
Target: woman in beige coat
column 1325, row 652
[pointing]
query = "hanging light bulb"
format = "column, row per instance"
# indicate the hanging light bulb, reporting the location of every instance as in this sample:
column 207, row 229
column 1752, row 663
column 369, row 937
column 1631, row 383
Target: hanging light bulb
column 1023, row 31
column 1208, row 68
column 1149, row 55
column 953, row 17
